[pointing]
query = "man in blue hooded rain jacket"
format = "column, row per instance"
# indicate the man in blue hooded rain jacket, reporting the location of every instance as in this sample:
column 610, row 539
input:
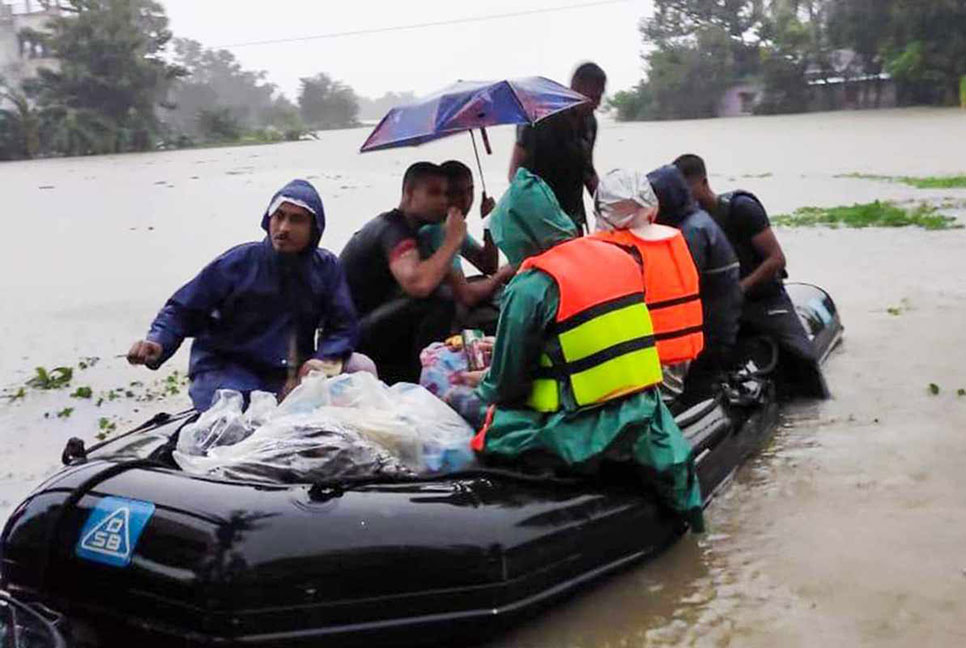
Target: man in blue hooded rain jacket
column 257, row 310
column 718, row 269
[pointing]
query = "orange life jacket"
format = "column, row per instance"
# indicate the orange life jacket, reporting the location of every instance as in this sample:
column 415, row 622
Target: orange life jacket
column 671, row 292
column 604, row 340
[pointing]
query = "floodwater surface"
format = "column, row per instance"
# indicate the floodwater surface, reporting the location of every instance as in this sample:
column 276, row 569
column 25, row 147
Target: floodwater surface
column 849, row 529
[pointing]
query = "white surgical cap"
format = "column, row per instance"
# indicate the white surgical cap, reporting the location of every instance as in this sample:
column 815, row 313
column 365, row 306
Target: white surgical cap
column 619, row 198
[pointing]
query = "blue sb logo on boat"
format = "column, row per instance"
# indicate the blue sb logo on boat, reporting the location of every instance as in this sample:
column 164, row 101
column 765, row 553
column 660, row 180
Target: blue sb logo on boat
column 112, row 531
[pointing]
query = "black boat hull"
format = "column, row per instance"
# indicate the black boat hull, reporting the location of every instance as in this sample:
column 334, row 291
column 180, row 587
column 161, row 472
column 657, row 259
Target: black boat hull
column 428, row 561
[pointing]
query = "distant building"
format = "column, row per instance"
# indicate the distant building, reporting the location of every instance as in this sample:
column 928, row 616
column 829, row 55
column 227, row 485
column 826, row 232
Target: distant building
column 845, row 83
column 740, row 99
column 20, row 57
column 842, row 82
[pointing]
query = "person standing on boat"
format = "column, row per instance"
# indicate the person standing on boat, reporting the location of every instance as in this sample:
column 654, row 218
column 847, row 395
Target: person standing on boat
column 574, row 368
column 560, row 148
column 263, row 314
column 767, row 310
column 718, row 280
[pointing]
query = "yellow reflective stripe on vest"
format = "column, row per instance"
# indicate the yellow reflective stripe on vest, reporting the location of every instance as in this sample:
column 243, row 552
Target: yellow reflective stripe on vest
column 544, row 394
column 625, row 374
column 605, row 331
column 606, row 356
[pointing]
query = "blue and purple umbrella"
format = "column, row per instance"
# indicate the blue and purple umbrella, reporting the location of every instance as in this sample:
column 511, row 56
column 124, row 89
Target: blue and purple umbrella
column 467, row 105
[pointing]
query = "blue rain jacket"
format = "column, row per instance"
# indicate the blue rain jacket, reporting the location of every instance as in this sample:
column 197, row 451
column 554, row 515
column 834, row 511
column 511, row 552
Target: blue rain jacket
column 255, row 313
column 715, row 259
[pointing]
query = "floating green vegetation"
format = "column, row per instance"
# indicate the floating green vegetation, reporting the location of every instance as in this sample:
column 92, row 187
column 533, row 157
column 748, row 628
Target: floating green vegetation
column 961, row 392
column 65, row 413
column 88, row 361
column 767, row 174
column 904, row 305
column 105, row 427
column 82, row 392
column 933, row 389
column 16, row 395
column 919, row 182
column 874, row 214
column 54, row 379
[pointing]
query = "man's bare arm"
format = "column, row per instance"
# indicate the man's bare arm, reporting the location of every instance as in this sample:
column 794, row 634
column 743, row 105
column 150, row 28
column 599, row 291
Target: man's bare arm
column 592, row 181
column 486, row 259
column 419, row 278
column 516, row 160
column 768, row 247
column 471, row 293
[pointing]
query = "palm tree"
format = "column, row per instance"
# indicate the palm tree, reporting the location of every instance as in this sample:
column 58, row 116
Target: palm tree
column 19, row 125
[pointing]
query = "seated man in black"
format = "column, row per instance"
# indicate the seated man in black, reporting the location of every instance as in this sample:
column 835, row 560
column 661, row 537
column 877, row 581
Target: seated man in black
column 477, row 306
column 767, row 309
column 404, row 294
column 717, row 268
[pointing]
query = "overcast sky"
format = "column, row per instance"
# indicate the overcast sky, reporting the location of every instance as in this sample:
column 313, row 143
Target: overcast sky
column 549, row 44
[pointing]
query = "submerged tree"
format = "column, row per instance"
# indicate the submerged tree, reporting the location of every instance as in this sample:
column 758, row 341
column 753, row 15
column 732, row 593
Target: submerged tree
column 792, row 42
column 325, row 104
column 111, row 76
column 19, row 125
column 215, row 82
column 696, row 49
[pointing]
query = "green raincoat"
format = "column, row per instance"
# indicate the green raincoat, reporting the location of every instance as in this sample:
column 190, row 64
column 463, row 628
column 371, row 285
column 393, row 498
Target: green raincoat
column 638, row 427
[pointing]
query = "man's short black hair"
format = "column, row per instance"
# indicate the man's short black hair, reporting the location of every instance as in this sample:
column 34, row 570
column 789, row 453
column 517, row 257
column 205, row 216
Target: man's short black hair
column 420, row 172
column 691, row 166
column 456, row 170
column 589, row 72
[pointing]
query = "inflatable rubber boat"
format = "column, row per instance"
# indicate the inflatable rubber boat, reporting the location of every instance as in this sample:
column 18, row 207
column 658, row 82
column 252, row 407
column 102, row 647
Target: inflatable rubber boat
column 121, row 548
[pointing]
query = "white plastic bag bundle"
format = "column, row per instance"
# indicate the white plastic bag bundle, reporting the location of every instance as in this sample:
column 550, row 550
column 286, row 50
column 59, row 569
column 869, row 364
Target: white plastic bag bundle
column 298, row 448
column 348, row 425
column 223, row 423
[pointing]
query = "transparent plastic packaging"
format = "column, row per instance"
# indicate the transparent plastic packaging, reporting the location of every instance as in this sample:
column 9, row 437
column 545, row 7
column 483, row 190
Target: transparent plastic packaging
column 349, row 425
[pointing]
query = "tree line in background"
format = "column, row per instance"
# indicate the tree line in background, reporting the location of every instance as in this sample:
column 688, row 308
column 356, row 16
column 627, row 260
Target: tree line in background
column 123, row 83
column 695, row 50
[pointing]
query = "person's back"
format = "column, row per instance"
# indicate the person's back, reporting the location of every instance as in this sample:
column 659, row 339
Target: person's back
column 713, row 255
column 743, row 218
column 767, row 308
column 626, row 208
column 573, row 365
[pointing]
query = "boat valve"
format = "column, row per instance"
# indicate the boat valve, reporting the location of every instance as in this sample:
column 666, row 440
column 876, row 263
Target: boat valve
column 74, row 450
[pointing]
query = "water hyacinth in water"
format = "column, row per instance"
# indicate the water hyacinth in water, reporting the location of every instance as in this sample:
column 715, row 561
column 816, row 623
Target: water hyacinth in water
column 919, row 182
column 874, row 214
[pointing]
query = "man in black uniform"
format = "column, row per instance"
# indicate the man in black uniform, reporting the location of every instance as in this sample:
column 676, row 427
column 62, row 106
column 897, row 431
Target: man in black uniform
column 717, row 269
column 767, row 309
column 560, row 148
column 395, row 288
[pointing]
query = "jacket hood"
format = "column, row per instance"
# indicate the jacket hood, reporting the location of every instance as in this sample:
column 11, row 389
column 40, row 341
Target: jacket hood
column 302, row 194
column 528, row 219
column 673, row 195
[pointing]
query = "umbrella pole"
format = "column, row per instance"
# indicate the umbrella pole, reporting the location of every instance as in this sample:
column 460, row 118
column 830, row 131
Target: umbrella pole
column 479, row 165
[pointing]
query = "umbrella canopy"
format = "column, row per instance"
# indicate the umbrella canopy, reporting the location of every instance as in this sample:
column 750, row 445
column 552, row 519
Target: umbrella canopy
column 466, row 105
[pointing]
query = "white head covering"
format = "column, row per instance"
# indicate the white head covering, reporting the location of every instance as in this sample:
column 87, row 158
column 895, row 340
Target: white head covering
column 282, row 198
column 620, row 197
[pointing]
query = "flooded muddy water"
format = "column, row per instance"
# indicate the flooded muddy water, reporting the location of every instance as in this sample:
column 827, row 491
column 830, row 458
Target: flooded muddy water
column 849, row 529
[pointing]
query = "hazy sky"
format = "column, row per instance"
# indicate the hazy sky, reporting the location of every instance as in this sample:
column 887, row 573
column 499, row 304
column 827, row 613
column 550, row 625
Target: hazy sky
column 549, row 44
